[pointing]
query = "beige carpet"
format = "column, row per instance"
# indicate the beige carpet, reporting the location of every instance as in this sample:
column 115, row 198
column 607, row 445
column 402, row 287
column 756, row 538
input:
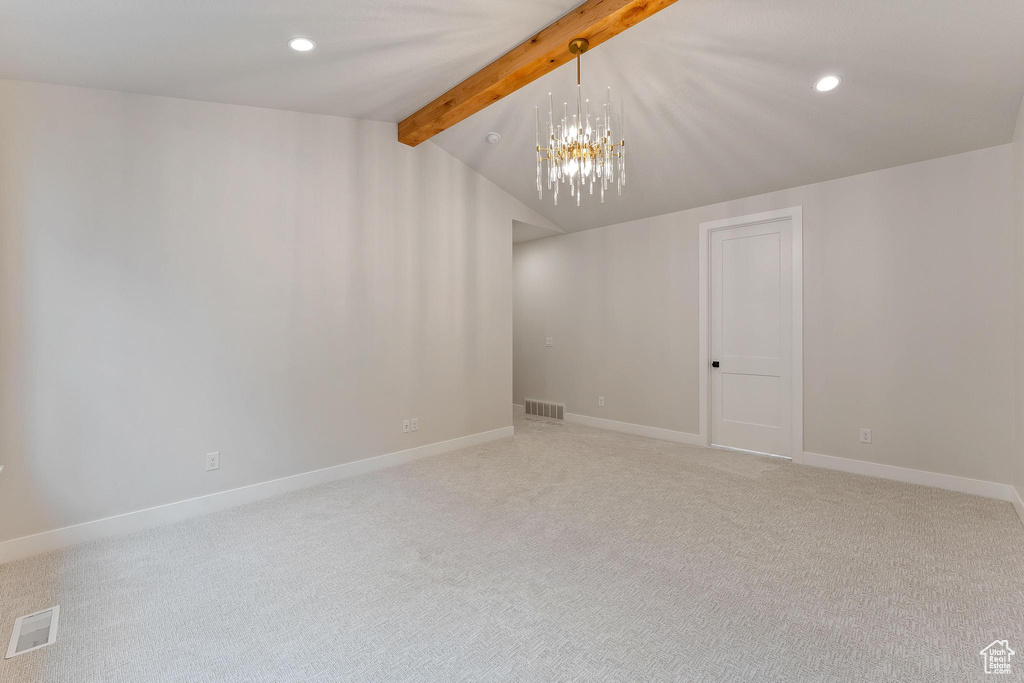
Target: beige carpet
column 564, row 554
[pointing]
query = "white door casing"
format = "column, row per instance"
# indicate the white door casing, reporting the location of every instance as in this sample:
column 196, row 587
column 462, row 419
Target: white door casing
column 751, row 323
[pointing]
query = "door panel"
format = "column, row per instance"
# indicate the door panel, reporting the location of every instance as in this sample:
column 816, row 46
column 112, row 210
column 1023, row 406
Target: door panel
column 753, row 399
column 751, row 337
column 750, row 296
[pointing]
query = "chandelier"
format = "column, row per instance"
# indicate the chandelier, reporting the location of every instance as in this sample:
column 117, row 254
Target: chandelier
column 578, row 153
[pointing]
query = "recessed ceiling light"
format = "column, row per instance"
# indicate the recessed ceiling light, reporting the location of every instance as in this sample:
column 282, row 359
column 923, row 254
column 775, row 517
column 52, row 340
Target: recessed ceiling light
column 301, row 44
column 493, row 138
column 826, row 83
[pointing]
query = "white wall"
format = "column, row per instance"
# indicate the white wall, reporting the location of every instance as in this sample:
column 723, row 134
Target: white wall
column 1018, row 231
column 180, row 277
column 908, row 315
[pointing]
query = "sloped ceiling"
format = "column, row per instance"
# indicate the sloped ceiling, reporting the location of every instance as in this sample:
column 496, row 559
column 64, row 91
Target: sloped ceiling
column 720, row 102
column 718, row 93
column 375, row 59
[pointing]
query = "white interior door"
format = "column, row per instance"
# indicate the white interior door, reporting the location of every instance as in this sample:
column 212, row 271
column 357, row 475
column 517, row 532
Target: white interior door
column 751, row 345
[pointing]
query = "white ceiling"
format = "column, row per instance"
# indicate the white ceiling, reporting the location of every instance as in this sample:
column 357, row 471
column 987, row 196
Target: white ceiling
column 718, row 93
column 375, row 59
column 527, row 232
column 720, row 105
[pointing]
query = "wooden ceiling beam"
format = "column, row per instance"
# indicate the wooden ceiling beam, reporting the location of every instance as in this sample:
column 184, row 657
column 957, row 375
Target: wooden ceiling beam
column 595, row 20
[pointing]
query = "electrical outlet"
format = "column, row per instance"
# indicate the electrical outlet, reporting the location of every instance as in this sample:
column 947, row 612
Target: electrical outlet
column 548, row 341
column 212, row 461
column 414, row 424
column 865, row 435
column 600, row 401
column 405, row 426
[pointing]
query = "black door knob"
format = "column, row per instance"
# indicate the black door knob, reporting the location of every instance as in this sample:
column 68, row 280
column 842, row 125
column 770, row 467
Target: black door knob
column 714, row 363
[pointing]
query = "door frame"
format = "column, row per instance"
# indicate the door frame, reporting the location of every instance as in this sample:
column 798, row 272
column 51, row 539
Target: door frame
column 795, row 215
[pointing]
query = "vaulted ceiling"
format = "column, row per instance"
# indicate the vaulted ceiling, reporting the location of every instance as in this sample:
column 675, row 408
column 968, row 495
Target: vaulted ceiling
column 718, row 93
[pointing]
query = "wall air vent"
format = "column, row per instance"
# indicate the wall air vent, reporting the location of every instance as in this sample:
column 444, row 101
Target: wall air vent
column 555, row 411
column 33, row 631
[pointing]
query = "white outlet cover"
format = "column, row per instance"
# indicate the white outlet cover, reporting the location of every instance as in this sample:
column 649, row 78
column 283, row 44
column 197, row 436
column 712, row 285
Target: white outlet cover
column 414, row 424
column 600, row 400
column 865, row 435
column 212, row 461
column 548, row 341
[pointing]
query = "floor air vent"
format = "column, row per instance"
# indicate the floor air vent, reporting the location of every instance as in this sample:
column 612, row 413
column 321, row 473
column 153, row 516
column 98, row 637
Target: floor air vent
column 543, row 409
column 33, row 631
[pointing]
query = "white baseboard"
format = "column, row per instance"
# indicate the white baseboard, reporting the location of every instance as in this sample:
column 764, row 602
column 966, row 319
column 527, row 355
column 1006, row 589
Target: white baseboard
column 1018, row 504
column 518, row 409
column 978, row 487
column 46, row 541
column 639, row 430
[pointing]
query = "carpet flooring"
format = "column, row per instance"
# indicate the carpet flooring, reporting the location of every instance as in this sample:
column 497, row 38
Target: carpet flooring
column 563, row 554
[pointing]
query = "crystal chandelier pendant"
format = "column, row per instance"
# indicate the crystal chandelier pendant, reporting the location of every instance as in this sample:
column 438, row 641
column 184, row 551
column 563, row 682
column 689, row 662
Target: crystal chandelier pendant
column 581, row 152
